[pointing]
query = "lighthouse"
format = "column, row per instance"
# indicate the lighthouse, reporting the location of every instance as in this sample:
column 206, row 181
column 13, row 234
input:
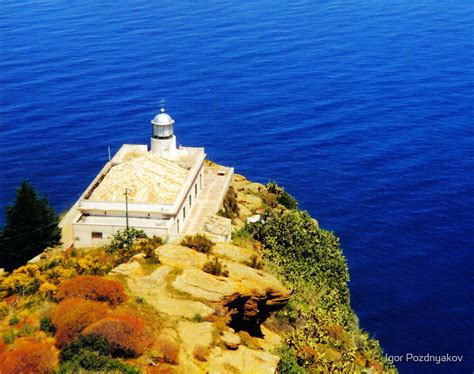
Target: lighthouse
column 163, row 141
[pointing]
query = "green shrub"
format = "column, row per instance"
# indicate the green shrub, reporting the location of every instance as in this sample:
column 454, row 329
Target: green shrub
column 13, row 320
column 288, row 361
column 122, row 245
column 287, row 200
column 198, row 242
column 46, row 325
column 215, row 267
column 9, row 337
column 198, row 318
column 90, row 360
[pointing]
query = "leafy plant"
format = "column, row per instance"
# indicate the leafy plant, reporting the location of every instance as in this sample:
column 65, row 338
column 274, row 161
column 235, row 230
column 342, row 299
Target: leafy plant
column 122, row 244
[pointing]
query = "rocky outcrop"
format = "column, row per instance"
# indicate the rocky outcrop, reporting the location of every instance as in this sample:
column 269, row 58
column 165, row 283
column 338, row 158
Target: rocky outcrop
column 205, row 313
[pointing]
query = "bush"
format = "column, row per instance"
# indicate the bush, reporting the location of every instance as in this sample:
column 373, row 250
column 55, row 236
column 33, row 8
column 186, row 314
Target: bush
column 3, row 347
column 215, row 267
column 92, row 287
column 148, row 247
column 198, row 242
column 93, row 361
column 30, row 357
column 287, row 200
column 288, row 361
column 122, row 245
column 255, row 262
column 46, row 325
column 125, row 335
column 13, row 320
column 169, row 350
column 73, row 315
column 231, row 208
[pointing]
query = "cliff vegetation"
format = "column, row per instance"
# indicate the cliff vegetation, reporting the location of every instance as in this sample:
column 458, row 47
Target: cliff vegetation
column 275, row 299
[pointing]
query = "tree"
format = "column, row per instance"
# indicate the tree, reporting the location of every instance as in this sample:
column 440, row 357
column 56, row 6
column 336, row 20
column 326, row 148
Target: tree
column 31, row 225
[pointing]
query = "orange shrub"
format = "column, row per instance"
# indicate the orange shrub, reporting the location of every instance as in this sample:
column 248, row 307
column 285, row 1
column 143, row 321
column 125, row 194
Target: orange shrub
column 3, row 347
column 29, row 357
column 92, row 287
column 169, row 350
column 73, row 315
column 127, row 335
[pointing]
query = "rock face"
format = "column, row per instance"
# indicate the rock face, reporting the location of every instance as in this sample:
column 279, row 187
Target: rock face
column 248, row 294
column 203, row 311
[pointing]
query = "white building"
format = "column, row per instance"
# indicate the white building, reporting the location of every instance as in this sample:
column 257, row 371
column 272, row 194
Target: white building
column 154, row 189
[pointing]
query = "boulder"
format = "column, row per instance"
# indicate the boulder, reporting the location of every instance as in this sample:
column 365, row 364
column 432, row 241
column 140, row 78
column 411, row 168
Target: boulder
column 230, row 340
column 193, row 334
column 251, row 201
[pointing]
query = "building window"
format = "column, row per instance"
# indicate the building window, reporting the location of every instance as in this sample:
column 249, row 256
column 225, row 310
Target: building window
column 195, row 189
column 200, row 181
column 96, row 235
column 184, row 213
column 177, row 225
column 190, row 201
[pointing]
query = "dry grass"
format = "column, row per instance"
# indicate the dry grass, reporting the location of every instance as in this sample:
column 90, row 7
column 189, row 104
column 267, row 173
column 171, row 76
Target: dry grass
column 201, row 353
column 169, row 350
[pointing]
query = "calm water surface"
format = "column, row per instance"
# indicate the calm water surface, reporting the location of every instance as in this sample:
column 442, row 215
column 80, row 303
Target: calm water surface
column 362, row 110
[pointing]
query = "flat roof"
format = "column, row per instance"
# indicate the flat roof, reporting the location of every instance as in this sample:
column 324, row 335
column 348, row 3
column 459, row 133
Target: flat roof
column 147, row 177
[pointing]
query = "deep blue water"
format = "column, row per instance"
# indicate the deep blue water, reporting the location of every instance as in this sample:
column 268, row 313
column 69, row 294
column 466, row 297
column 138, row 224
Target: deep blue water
column 361, row 109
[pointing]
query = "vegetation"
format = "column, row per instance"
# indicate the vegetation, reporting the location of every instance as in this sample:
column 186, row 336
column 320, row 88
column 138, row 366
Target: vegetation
column 231, row 208
column 31, row 225
column 278, row 194
column 124, row 335
column 122, row 244
column 90, row 359
column 73, row 315
column 29, row 356
column 323, row 330
column 215, row 267
column 92, row 287
column 169, row 350
column 198, row 242
column 64, row 307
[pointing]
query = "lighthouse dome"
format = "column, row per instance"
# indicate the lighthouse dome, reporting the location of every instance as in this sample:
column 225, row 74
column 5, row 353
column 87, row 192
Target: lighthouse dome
column 162, row 119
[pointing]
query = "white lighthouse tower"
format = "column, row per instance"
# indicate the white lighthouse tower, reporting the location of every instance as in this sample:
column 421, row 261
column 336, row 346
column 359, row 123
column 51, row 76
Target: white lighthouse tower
column 163, row 141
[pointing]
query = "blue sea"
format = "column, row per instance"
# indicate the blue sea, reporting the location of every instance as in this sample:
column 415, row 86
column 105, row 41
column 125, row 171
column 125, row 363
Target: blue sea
column 362, row 109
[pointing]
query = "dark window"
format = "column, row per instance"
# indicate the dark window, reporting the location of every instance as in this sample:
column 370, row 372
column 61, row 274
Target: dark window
column 190, row 201
column 184, row 213
column 177, row 224
column 96, row 235
column 195, row 189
